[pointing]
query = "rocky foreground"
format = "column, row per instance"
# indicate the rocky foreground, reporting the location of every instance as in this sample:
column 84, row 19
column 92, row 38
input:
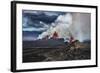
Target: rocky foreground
column 73, row 51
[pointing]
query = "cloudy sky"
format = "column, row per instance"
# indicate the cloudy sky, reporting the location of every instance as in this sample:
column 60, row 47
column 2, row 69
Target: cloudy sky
column 36, row 22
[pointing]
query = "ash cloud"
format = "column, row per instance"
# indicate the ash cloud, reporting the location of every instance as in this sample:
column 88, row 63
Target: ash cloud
column 40, row 22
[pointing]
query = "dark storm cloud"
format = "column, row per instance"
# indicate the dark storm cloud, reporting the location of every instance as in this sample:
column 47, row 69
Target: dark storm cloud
column 40, row 17
column 35, row 22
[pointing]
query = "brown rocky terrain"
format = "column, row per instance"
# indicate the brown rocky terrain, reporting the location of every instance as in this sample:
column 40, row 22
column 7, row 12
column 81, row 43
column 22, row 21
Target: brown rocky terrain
column 73, row 51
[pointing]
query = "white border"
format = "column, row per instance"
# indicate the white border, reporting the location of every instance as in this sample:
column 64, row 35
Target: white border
column 38, row 65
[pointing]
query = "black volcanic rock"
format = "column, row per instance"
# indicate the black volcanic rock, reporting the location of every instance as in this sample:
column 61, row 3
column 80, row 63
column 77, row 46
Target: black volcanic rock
column 50, row 43
column 83, row 52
